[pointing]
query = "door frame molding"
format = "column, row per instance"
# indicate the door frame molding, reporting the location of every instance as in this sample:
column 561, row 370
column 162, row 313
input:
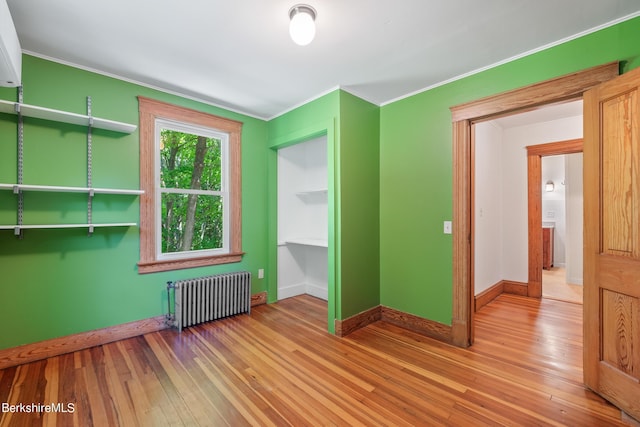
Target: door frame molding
column 535, row 153
column 560, row 89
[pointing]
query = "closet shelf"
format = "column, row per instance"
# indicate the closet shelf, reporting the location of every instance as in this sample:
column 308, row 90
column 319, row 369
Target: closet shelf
column 322, row 243
column 311, row 192
column 34, row 111
column 62, row 189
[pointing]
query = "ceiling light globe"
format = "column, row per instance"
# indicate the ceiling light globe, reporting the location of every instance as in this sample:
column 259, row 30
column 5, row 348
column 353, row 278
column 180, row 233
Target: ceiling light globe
column 302, row 27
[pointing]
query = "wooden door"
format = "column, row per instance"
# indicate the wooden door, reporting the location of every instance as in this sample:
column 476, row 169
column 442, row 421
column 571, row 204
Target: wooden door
column 612, row 241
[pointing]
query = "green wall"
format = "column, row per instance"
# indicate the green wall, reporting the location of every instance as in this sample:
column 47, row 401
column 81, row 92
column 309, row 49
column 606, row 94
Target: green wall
column 416, row 166
column 319, row 117
column 360, row 205
column 60, row 282
column 351, row 125
column 390, row 172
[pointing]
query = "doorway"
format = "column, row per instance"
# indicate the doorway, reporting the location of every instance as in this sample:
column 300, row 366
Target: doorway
column 562, row 227
column 507, row 199
column 561, row 89
column 302, row 193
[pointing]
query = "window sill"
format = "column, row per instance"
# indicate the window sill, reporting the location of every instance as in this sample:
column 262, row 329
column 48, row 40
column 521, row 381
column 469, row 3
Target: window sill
column 145, row 267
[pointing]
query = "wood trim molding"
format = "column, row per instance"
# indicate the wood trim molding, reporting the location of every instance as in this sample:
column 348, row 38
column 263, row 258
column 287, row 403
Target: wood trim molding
column 412, row 322
column 462, row 321
column 488, row 295
column 534, row 198
column 569, row 146
column 559, row 89
column 360, row 320
column 418, row 324
column 534, row 228
column 259, row 298
column 563, row 88
column 502, row 287
column 515, row 288
column 149, row 111
column 57, row 346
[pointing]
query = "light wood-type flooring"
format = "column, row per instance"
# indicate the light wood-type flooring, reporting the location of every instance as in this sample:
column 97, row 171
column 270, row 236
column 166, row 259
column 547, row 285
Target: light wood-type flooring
column 278, row 366
column 555, row 286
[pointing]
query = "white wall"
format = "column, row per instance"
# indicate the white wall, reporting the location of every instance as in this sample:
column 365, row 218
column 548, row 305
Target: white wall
column 303, row 217
column 488, row 218
column 515, row 250
column 574, row 205
column 512, row 201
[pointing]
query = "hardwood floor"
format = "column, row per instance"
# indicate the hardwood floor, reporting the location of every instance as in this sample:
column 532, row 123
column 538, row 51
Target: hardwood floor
column 555, row 286
column 279, row 367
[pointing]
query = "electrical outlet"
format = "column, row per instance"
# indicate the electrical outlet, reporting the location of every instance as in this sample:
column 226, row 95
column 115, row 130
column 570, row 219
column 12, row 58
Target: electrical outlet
column 261, row 273
column 447, row 227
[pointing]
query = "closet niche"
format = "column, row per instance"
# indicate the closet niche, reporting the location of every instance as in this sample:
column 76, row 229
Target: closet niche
column 303, row 219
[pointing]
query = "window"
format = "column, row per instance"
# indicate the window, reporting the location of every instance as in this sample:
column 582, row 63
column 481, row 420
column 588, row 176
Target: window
column 190, row 213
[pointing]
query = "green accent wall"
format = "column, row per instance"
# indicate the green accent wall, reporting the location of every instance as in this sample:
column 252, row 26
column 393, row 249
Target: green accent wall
column 60, row 282
column 416, row 165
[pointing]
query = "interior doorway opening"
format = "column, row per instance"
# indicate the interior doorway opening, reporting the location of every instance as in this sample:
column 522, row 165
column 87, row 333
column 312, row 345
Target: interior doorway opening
column 509, row 200
column 562, row 227
column 558, row 90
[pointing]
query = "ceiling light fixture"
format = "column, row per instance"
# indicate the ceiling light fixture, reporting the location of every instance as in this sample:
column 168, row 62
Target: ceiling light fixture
column 302, row 27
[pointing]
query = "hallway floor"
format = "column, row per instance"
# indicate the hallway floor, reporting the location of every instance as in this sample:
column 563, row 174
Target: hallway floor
column 555, row 286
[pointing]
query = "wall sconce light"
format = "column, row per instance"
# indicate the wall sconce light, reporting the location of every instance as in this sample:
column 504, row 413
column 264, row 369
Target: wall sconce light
column 549, row 186
column 302, row 27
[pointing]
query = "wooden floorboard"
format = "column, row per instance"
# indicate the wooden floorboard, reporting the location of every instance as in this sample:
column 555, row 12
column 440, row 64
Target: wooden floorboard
column 279, row 367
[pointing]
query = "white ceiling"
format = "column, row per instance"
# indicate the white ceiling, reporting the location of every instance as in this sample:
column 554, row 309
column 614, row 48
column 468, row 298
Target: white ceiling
column 237, row 53
column 541, row 115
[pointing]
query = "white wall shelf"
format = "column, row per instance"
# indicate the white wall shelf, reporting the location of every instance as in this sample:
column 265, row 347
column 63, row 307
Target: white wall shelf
column 307, row 193
column 34, row 111
column 63, row 189
column 19, row 188
column 17, row 229
column 46, row 226
column 303, row 218
column 308, row 242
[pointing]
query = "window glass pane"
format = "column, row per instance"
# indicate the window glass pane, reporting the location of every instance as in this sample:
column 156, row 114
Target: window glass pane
column 190, row 161
column 191, row 222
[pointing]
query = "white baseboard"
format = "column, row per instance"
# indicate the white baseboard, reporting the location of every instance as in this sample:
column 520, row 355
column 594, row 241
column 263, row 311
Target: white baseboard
column 314, row 290
column 291, row 291
column 317, row 291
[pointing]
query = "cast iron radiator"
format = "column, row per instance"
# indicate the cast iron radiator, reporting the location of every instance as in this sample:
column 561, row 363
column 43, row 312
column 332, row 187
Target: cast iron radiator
column 208, row 298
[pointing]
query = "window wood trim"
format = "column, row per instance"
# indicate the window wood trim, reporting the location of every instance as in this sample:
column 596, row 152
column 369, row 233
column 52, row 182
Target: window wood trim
column 150, row 110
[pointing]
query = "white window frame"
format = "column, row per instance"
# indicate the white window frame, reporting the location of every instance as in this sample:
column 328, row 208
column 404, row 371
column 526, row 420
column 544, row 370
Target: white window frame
column 223, row 193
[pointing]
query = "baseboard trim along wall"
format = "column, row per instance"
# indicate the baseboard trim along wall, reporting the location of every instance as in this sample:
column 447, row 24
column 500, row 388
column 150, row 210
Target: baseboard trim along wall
column 259, row 298
column 418, row 324
column 360, row 320
column 502, row 287
column 57, row 346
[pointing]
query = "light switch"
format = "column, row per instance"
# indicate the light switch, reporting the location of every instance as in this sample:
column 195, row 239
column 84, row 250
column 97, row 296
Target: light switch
column 447, row 227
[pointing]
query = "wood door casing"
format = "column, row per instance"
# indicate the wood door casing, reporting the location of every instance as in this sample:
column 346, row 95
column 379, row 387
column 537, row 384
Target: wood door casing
column 612, row 241
column 560, row 89
column 535, row 153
